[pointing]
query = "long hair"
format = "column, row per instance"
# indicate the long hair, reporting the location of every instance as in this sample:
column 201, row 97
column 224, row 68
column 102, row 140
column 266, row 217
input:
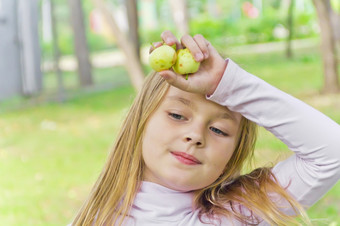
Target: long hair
column 258, row 192
column 114, row 191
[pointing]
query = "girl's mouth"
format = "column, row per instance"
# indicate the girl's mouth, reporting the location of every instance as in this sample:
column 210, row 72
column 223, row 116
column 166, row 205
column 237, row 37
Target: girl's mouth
column 185, row 158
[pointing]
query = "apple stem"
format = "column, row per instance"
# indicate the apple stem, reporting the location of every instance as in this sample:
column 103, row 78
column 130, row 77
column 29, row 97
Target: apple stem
column 187, row 76
column 174, row 46
column 152, row 45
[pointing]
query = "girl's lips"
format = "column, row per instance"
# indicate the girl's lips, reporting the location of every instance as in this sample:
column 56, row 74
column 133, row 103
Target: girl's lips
column 185, row 158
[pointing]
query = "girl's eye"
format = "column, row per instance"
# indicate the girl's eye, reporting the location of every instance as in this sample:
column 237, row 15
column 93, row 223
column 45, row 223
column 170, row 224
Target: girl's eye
column 217, row 131
column 176, row 116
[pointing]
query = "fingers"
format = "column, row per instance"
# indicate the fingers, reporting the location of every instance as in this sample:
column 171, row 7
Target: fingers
column 202, row 44
column 197, row 45
column 170, row 39
column 154, row 46
column 175, row 80
column 190, row 43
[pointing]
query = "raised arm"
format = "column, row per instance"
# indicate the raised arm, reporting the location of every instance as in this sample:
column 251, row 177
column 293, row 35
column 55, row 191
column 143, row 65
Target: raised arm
column 314, row 137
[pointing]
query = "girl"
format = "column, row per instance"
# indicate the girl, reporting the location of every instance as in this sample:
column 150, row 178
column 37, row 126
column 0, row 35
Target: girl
column 179, row 155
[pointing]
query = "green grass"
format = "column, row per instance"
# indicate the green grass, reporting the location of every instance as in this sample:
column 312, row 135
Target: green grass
column 301, row 75
column 51, row 154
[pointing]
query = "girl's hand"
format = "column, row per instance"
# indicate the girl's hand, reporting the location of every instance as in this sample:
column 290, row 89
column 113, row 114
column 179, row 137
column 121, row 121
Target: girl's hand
column 212, row 67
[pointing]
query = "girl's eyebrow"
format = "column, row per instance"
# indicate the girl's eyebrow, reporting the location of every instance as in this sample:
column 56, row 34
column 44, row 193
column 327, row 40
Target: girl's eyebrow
column 227, row 115
column 182, row 100
column 223, row 115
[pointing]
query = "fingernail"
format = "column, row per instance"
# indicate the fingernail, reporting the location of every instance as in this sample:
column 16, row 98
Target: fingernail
column 168, row 41
column 199, row 56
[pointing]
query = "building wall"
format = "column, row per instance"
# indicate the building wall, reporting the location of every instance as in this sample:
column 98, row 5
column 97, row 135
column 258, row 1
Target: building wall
column 10, row 69
column 20, row 72
column 29, row 46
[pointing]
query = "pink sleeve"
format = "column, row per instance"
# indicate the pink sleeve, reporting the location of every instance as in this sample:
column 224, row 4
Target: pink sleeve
column 312, row 136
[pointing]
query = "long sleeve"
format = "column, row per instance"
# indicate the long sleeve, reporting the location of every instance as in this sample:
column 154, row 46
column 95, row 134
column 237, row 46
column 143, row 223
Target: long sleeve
column 312, row 136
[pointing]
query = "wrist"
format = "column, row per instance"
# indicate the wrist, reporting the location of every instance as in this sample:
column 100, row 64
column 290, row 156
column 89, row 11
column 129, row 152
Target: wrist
column 218, row 76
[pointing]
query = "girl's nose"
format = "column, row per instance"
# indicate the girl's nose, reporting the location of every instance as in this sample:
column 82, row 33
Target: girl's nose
column 195, row 136
column 196, row 142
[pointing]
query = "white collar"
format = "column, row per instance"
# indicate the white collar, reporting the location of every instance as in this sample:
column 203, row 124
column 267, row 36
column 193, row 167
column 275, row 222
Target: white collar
column 154, row 201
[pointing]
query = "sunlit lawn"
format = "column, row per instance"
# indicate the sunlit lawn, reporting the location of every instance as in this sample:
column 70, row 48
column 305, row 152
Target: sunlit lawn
column 50, row 155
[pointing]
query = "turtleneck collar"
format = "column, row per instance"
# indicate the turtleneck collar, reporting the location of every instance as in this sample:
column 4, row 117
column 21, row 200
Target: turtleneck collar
column 154, row 201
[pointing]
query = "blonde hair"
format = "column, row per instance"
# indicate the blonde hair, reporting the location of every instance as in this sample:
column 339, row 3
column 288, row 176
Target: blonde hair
column 258, row 191
column 115, row 189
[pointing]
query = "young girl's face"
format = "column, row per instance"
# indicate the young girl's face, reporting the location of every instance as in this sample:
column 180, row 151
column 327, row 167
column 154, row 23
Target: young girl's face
column 188, row 141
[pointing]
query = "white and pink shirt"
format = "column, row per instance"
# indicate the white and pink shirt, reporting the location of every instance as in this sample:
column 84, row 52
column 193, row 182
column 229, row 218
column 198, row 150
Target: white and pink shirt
column 313, row 137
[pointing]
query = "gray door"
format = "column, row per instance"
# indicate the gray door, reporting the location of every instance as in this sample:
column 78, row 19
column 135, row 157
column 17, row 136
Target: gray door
column 20, row 72
column 10, row 79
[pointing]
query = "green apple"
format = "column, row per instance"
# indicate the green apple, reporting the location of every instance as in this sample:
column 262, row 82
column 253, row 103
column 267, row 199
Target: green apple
column 185, row 63
column 162, row 58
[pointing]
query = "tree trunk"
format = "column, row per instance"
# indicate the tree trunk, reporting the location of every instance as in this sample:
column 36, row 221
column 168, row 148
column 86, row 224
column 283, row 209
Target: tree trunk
column 132, row 62
column 56, row 55
column 132, row 15
column 335, row 20
column 80, row 43
column 331, row 83
column 180, row 15
column 290, row 27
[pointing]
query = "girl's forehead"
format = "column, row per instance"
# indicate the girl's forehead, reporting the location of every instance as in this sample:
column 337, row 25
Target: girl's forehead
column 173, row 91
column 195, row 100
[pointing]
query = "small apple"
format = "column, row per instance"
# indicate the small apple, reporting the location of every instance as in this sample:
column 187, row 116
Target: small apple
column 162, row 58
column 185, row 63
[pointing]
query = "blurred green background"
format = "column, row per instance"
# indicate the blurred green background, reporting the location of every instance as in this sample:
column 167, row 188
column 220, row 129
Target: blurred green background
column 51, row 152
